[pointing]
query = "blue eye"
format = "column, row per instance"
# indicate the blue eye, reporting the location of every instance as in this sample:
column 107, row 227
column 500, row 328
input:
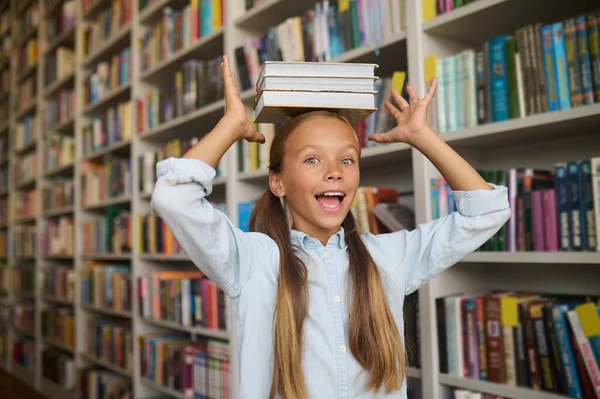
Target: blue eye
column 348, row 161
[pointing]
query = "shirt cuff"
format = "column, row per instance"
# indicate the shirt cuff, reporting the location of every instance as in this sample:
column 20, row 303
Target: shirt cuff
column 186, row 170
column 480, row 202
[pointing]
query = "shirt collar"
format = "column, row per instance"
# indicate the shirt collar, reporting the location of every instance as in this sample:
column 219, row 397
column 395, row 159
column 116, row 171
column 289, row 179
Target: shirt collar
column 303, row 240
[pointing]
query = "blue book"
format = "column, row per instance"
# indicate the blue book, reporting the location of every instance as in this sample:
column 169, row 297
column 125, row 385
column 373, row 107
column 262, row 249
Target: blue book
column 577, row 219
column 567, row 361
column 549, row 67
column 205, row 18
column 587, row 87
column 498, row 84
column 560, row 60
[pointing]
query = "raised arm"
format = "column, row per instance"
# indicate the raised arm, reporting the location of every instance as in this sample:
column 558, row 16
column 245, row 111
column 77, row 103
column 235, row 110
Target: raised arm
column 482, row 208
column 221, row 251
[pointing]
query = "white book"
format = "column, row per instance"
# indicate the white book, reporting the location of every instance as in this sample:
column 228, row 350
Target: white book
column 278, row 106
column 316, row 83
column 332, row 69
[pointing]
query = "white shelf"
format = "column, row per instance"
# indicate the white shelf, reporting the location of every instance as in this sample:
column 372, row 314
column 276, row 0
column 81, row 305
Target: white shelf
column 170, row 392
column 270, row 13
column 567, row 258
column 59, row 211
column 65, row 38
column 110, row 45
column 205, row 45
column 100, row 362
column 55, row 391
column 121, row 200
column 107, row 311
column 507, row 391
column 165, row 257
column 201, row 331
column 123, row 145
column 60, row 170
column 58, row 345
column 59, row 84
column 58, row 301
column 119, row 94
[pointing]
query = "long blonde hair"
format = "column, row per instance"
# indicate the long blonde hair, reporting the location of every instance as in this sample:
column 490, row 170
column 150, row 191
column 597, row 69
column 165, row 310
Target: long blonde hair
column 374, row 338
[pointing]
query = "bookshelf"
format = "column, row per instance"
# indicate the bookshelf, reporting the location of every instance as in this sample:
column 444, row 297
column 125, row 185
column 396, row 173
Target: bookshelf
column 63, row 186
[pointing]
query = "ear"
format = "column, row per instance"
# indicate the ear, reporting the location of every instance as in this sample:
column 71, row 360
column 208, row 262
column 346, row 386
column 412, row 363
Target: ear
column 276, row 185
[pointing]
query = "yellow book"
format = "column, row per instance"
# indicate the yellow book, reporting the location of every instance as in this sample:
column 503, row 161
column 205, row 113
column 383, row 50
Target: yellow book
column 216, row 14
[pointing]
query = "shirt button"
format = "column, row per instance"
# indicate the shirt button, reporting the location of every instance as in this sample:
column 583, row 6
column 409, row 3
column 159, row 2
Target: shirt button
column 172, row 181
column 342, row 348
column 326, row 254
column 336, row 298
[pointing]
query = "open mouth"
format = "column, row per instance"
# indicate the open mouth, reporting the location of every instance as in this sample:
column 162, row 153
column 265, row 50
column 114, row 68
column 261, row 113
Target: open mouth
column 331, row 200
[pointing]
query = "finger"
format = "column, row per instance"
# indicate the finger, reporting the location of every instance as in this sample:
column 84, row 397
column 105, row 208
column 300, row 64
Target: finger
column 393, row 110
column 402, row 103
column 227, row 80
column 431, row 92
column 411, row 94
column 260, row 138
column 379, row 137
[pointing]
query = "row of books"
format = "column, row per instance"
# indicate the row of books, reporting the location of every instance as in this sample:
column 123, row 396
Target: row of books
column 28, row 130
column 58, row 237
column 24, row 317
column 109, row 22
column 58, row 325
column 23, row 352
column 105, row 179
column 185, row 298
column 178, row 29
column 26, row 93
column 25, row 205
column 109, row 233
column 59, row 283
column 59, row 368
column 321, row 33
column 111, row 127
column 198, row 83
column 521, row 339
column 60, row 21
column 26, row 168
column 28, row 55
column 107, row 286
column 540, row 68
column 58, row 194
column 108, row 77
column 198, row 369
column 24, row 280
column 24, row 242
column 59, row 151
column 174, row 148
column 96, row 383
column 28, row 20
column 110, row 341
column 443, row 7
column 6, row 281
column 158, row 237
column 59, row 65
column 60, row 108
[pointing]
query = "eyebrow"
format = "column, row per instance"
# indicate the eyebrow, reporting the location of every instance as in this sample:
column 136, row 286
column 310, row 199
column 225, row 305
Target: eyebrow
column 316, row 147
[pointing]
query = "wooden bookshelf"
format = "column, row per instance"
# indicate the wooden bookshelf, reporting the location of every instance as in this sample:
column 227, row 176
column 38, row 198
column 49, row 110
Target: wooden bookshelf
column 552, row 137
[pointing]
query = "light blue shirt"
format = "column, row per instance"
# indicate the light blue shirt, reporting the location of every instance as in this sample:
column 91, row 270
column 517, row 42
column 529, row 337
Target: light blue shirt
column 245, row 266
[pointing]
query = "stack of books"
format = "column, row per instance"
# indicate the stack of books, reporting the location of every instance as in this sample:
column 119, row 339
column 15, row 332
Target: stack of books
column 286, row 89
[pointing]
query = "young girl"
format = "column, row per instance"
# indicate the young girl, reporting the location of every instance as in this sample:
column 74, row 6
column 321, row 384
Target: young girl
column 318, row 307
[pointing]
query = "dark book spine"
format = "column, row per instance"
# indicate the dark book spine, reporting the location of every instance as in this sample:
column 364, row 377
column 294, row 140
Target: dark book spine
column 441, row 329
column 494, row 340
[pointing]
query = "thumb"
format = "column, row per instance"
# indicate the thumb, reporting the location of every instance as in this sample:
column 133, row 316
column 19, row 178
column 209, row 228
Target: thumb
column 380, row 137
column 258, row 137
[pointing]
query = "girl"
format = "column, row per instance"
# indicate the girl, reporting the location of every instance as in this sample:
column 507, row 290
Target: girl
column 318, row 308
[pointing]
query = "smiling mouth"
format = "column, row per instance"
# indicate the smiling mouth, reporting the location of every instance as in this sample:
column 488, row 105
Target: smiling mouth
column 331, row 201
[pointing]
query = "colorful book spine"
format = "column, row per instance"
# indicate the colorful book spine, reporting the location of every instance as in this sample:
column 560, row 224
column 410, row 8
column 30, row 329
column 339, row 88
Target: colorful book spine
column 560, row 61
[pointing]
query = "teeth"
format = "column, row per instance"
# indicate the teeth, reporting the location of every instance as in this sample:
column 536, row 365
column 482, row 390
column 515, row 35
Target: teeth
column 333, row 194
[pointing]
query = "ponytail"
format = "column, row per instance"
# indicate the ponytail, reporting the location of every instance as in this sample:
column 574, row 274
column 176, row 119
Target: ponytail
column 269, row 217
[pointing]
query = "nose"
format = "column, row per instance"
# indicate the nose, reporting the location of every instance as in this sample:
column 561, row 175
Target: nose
column 334, row 173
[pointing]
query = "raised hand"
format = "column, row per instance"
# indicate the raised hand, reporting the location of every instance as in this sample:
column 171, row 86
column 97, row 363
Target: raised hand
column 411, row 118
column 235, row 111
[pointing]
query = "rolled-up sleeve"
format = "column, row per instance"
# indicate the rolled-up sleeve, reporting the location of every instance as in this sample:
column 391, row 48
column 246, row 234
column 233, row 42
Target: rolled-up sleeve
column 224, row 253
column 421, row 254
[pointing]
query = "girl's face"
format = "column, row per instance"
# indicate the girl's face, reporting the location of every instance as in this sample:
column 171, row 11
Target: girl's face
column 320, row 176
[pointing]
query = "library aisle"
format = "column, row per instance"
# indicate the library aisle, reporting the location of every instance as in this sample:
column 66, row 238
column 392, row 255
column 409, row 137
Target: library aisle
column 97, row 297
